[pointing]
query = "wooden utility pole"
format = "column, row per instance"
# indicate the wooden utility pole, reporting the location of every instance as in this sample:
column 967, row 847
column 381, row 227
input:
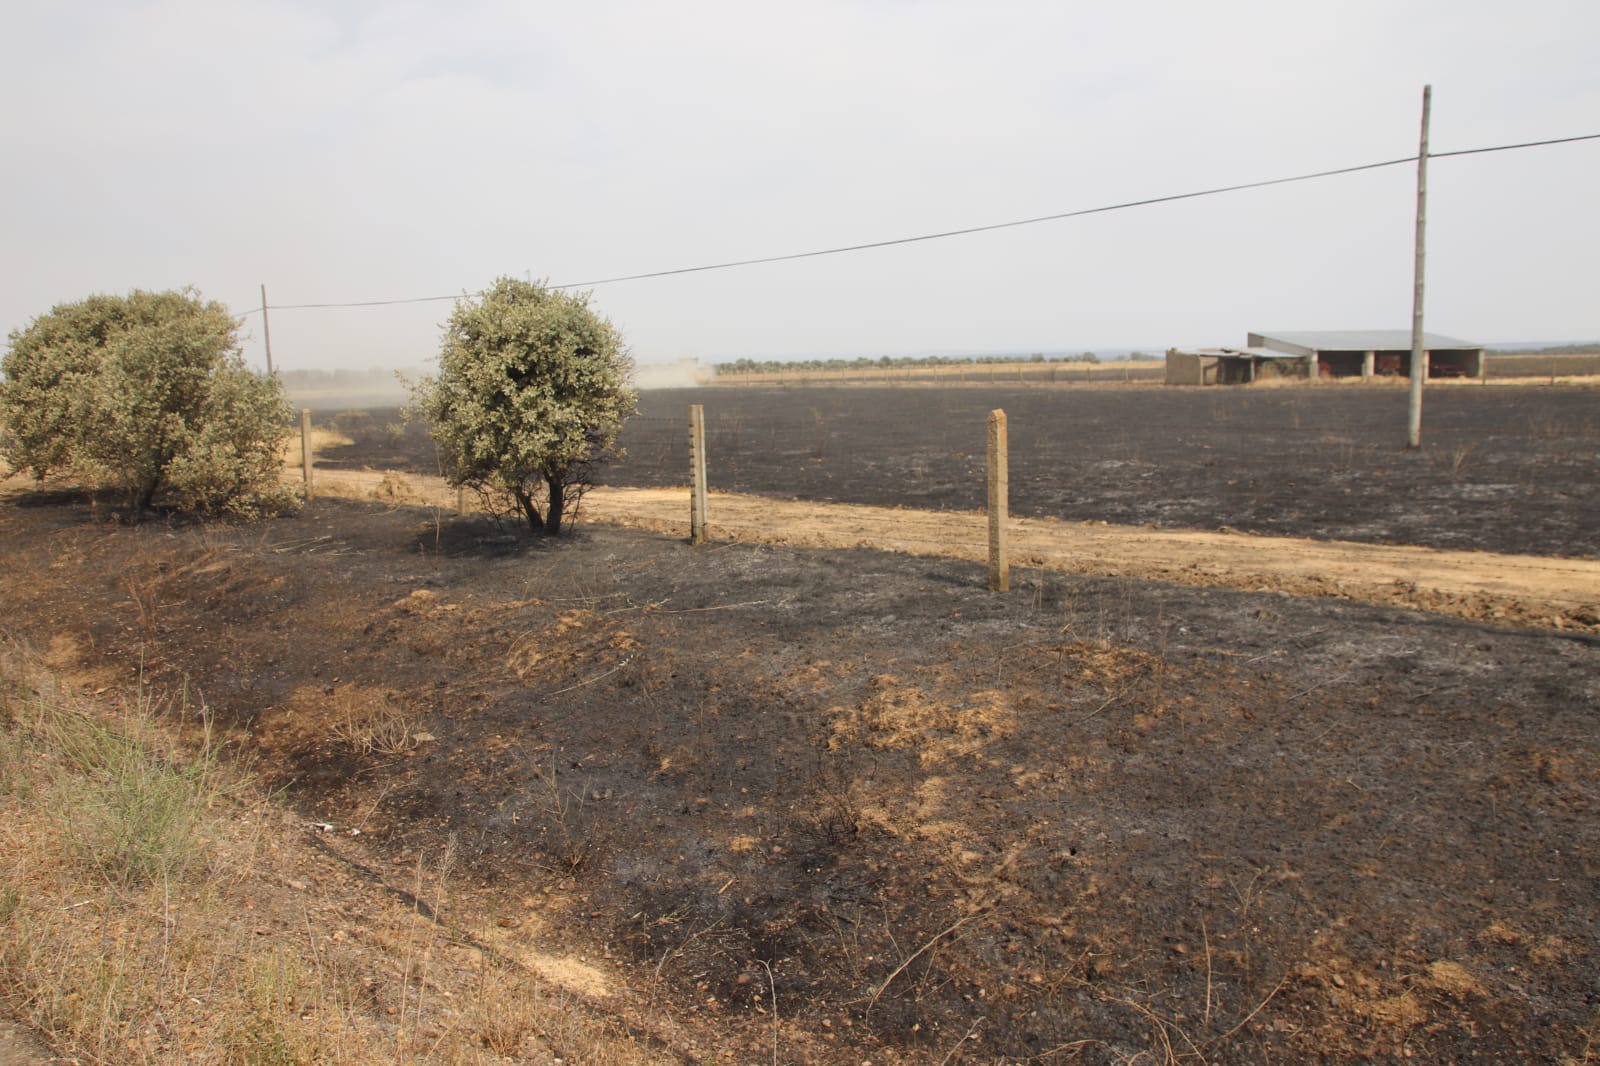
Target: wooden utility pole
column 697, row 472
column 1419, row 358
column 266, row 330
column 999, row 492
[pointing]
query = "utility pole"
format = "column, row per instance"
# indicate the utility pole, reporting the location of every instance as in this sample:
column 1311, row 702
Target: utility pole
column 1419, row 359
column 266, row 330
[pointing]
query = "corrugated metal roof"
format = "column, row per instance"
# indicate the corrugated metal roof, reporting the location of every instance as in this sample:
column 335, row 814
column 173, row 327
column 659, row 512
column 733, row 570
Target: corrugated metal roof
column 1264, row 353
column 1363, row 340
column 1237, row 353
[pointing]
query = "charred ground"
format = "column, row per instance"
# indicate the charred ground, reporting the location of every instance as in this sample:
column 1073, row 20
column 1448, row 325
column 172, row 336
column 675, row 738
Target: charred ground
column 1503, row 468
column 1091, row 818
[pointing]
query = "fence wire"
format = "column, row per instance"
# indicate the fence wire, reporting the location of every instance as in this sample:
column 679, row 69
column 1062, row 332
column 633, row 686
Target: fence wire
column 813, row 454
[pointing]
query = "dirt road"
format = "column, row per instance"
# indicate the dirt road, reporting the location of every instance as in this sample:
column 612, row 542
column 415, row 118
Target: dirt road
column 1517, row 589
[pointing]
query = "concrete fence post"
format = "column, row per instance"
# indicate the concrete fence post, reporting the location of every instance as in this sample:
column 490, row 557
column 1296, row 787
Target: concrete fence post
column 305, row 447
column 697, row 472
column 999, row 562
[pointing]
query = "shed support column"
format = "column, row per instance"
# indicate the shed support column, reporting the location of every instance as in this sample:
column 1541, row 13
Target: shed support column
column 1313, row 369
column 1369, row 365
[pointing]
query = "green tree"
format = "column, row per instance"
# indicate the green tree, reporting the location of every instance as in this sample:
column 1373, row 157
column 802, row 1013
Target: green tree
column 531, row 393
column 146, row 394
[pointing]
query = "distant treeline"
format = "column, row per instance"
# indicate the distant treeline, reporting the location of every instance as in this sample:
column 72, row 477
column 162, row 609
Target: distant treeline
column 900, row 362
column 1581, row 348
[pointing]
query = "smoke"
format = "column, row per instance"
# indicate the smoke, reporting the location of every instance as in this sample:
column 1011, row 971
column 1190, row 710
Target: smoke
column 683, row 374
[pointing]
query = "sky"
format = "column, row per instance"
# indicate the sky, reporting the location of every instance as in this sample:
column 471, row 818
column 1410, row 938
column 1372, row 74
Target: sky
column 351, row 151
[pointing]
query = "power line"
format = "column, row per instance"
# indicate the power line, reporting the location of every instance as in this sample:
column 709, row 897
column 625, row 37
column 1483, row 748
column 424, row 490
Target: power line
column 1511, row 147
column 984, row 229
column 1151, row 201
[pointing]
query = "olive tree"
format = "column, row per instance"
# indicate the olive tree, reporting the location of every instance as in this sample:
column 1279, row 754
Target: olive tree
column 146, row 394
column 531, row 393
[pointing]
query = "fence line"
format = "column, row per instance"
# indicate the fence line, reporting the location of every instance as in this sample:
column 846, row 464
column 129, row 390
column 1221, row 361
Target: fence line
column 665, row 443
column 965, row 539
column 1193, row 461
column 996, row 506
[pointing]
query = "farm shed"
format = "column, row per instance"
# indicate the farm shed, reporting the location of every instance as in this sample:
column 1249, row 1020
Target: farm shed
column 1323, row 354
column 1229, row 366
column 1374, row 353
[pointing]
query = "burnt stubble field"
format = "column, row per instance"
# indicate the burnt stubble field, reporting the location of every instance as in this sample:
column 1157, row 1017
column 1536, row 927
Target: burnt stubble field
column 838, row 806
column 1503, row 468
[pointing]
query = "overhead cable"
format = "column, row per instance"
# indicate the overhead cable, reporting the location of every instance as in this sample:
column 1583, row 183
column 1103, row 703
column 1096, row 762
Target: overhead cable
column 730, row 264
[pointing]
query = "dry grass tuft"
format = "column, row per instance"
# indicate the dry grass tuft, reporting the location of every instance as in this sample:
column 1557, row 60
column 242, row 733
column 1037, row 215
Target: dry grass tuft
column 371, row 722
column 156, row 907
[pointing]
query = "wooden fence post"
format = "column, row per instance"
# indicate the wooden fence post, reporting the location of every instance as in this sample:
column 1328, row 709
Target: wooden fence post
column 697, row 471
column 305, row 447
column 999, row 562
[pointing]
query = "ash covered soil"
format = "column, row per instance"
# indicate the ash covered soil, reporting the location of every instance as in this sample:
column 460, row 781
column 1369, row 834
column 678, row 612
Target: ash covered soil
column 1087, row 820
column 1503, row 468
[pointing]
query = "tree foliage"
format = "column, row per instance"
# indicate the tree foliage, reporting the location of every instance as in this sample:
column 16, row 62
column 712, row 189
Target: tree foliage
column 531, row 393
column 146, row 394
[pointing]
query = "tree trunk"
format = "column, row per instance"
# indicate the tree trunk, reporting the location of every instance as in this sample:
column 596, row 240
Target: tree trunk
column 530, row 510
column 144, row 497
column 557, row 505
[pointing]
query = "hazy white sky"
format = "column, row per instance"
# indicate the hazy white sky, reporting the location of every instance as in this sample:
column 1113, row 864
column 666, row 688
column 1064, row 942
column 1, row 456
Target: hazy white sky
column 369, row 151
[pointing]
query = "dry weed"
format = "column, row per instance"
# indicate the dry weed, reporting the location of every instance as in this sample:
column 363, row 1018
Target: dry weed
column 370, row 722
column 152, row 910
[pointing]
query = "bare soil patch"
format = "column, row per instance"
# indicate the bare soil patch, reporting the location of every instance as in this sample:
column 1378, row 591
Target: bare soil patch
column 19, row 1047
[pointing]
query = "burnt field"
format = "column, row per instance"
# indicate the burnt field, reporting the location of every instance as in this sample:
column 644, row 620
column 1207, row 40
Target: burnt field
column 1502, row 468
column 809, row 805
